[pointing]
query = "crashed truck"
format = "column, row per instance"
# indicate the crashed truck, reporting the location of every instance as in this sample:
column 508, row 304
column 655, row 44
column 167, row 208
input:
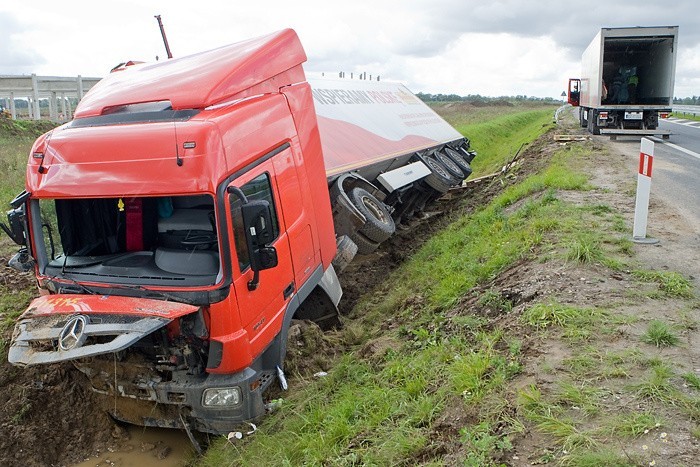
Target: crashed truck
column 194, row 207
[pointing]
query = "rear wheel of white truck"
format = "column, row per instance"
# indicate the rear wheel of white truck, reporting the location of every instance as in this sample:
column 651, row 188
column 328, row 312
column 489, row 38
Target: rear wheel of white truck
column 379, row 224
column 582, row 120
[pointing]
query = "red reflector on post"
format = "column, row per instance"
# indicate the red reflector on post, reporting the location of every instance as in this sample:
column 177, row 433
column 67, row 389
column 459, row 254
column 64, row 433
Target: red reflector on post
column 646, row 161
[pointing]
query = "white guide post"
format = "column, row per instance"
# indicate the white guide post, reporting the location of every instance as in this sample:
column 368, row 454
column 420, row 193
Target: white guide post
column 641, row 207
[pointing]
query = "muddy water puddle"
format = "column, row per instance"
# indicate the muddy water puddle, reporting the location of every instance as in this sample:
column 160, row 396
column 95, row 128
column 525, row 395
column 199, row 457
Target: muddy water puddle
column 136, row 446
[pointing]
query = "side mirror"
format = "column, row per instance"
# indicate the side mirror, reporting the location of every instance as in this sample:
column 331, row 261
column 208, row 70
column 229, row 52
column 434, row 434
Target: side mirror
column 259, row 232
column 15, row 230
column 257, row 219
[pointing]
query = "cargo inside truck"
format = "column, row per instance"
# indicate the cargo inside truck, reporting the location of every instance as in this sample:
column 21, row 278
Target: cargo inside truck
column 638, row 70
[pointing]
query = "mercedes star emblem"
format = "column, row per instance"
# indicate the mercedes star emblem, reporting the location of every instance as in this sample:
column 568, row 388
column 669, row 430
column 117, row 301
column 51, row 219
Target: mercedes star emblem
column 73, row 333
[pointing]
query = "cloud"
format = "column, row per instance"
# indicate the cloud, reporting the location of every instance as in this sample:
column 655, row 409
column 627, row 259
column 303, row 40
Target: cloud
column 482, row 47
column 16, row 56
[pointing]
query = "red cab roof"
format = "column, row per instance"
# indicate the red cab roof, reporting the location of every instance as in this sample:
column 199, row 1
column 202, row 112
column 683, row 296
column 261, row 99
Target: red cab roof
column 200, row 80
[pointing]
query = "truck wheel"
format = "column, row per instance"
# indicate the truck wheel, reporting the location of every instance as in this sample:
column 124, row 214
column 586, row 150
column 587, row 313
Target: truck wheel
column 379, row 224
column 460, row 161
column 365, row 246
column 581, row 119
column 452, row 168
column 439, row 179
column 345, row 252
column 592, row 127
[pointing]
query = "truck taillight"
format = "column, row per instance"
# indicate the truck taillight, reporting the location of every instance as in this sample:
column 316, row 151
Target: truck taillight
column 664, row 114
column 604, row 115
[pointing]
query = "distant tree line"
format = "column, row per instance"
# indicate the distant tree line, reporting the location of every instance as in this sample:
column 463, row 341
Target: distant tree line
column 695, row 100
column 427, row 97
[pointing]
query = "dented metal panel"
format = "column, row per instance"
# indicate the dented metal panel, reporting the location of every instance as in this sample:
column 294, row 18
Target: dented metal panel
column 50, row 339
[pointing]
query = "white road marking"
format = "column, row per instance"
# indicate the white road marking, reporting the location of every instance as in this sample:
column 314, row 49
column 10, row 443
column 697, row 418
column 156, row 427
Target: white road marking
column 680, row 121
column 676, row 147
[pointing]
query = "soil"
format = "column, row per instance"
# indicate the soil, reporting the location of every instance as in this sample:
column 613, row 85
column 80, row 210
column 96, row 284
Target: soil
column 48, row 417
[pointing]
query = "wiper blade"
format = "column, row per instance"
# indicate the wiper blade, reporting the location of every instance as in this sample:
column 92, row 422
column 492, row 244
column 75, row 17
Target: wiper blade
column 56, row 282
column 140, row 288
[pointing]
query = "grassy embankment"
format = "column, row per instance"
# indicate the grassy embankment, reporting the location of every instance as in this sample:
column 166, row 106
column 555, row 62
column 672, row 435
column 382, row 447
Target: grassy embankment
column 16, row 139
column 435, row 368
column 383, row 408
column 687, row 116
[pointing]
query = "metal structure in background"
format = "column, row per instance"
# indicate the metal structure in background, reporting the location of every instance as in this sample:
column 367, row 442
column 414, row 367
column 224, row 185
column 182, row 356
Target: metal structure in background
column 683, row 110
column 57, row 90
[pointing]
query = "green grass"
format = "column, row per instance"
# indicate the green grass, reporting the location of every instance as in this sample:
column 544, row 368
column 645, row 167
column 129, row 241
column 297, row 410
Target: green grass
column 584, row 248
column 16, row 139
column 657, row 386
column 686, row 116
column 449, row 362
column 496, row 140
column 660, row 334
column 671, row 283
column 544, row 315
column 634, row 424
column 692, row 380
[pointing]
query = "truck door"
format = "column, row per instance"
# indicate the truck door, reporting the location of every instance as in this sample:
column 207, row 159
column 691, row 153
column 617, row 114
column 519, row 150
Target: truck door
column 574, row 91
column 261, row 307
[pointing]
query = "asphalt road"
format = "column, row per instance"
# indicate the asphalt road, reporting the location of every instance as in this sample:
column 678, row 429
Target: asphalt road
column 676, row 169
column 674, row 214
column 676, row 174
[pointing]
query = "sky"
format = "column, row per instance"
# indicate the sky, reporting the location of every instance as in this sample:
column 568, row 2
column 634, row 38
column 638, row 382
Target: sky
column 492, row 48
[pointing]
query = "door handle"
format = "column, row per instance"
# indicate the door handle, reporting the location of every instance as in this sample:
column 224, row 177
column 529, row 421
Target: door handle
column 288, row 291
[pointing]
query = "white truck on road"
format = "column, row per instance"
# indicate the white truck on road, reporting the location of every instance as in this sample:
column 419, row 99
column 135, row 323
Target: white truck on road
column 626, row 83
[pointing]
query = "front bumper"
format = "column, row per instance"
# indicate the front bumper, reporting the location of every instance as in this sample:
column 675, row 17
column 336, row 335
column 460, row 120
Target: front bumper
column 144, row 400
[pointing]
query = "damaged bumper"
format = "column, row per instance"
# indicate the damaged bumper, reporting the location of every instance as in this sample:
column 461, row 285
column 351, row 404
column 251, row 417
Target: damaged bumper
column 58, row 328
column 54, row 339
column 148, row 375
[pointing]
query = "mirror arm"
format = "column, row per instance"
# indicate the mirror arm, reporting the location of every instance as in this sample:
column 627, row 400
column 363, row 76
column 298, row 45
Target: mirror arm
column 255, row 281
column 238, row 192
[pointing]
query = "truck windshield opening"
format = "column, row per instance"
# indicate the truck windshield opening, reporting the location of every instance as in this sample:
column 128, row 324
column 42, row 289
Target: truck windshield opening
column 169, row 240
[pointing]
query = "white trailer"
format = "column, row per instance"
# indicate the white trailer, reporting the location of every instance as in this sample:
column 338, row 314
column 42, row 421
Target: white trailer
column 627, row 78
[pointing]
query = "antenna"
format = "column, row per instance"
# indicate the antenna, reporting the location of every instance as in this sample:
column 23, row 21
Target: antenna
column 165, row 39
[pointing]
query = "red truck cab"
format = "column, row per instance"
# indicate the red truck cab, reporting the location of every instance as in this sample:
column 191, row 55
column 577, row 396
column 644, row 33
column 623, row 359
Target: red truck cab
column 195, row 206
column 182, row 216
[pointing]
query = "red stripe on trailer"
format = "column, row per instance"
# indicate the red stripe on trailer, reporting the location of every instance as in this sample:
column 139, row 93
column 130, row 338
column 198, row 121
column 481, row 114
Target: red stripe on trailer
column 645, row 164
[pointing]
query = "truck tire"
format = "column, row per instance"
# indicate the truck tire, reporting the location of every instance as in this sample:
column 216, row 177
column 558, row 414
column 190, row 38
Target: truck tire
column 439, row 179
column 365, row 246
column 450, row 165
column 582, row 121
column 592, row 126
column 460, row 161
column 379, row 224
column 345, row 252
